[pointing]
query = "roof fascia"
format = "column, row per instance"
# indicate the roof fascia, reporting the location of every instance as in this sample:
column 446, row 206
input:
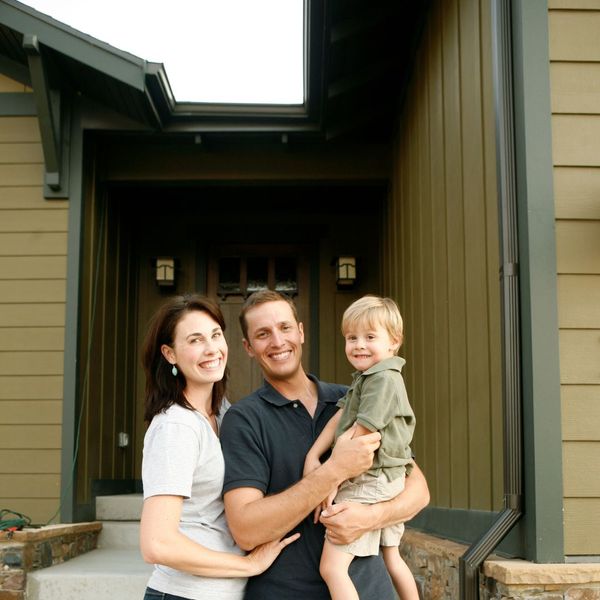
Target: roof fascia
column 151, row 80
column 123, row 66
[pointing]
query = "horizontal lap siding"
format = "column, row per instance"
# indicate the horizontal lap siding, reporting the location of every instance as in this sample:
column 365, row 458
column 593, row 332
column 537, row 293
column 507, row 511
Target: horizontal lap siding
column 575, row 92
column 441, row 257
column 33, row 247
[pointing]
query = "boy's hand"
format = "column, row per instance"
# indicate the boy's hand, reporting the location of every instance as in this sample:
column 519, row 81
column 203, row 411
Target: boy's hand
column 325, row 504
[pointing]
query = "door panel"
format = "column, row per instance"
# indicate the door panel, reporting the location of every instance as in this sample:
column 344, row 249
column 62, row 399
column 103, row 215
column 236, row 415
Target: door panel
column 234, row 272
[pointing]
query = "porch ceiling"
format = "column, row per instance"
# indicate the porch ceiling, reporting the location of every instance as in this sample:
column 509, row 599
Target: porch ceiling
column 359, row 58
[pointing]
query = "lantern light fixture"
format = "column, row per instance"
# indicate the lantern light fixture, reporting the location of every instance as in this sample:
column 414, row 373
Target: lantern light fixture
column 345, row 267
column 165, row 271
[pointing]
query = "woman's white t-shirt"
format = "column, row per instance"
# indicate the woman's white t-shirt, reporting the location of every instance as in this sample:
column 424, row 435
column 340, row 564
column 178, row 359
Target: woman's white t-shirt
column 182, row 457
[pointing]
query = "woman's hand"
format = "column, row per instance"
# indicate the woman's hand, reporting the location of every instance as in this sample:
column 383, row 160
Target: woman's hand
column 262, row 557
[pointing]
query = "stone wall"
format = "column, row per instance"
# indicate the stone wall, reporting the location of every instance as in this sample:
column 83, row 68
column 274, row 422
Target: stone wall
column 32, row 549
column 522, row 580
column 435, row 565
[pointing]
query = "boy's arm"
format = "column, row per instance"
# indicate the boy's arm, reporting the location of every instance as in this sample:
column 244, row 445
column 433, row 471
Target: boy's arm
column 322, row 444
column 360, row 430
column 347, row 521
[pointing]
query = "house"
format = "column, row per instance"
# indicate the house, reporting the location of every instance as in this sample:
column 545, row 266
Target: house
column 450, row 147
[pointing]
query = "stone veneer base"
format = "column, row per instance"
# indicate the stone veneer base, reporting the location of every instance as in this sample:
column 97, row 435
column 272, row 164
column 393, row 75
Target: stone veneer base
column 32, row 549
column 434, row 562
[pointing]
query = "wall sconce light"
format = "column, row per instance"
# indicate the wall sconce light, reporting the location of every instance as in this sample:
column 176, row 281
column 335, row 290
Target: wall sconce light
column 165, row 271
column 345, row 267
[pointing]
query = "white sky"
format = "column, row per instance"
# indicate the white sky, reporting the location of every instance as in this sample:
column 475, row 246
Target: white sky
column 239, row 51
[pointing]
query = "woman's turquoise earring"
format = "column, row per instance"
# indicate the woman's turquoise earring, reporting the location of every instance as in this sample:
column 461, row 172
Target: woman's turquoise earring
column 174, row 371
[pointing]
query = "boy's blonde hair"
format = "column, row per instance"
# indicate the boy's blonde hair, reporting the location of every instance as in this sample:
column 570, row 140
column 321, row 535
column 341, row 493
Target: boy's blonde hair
column 371, row 311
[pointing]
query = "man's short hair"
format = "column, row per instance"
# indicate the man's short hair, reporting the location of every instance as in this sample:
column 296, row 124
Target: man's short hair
column 262, row 297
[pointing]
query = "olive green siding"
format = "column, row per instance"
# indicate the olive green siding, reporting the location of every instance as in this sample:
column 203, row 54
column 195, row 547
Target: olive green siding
column 33, row 247
column 441, row 257
column 575, row 95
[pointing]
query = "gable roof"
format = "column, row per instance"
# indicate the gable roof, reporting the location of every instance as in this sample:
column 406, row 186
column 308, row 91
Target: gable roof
column 358, row 55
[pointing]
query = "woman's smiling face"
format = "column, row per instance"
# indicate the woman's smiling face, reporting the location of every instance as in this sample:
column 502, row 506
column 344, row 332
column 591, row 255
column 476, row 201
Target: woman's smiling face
column 199, row 349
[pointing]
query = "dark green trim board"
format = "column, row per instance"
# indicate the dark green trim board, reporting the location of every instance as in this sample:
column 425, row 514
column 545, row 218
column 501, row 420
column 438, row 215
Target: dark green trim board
column 69, row 416
column 17, row 104
column 465, row 527
column 51, row 115
column 504, row 522
column 542, row 444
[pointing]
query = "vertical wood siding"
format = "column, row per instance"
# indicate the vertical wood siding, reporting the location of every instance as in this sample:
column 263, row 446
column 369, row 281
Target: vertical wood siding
column 441, row 257
column 575, row 95
column 107, row 347
column 33, row 248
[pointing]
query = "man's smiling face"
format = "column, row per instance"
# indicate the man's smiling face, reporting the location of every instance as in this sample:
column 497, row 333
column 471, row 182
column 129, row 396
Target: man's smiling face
column 275, row 340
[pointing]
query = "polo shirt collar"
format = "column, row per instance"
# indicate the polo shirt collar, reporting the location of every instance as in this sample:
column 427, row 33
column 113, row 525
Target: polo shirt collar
column 395, row 363
column 269, row 394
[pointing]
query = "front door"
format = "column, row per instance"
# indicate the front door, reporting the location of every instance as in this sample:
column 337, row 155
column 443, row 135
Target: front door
column 234, row 272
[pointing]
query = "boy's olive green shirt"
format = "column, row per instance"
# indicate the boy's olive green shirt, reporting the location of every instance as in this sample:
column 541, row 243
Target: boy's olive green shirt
column 377, row 400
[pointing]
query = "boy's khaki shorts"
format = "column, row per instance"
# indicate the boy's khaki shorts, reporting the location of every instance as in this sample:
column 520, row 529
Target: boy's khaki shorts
column 369, row 489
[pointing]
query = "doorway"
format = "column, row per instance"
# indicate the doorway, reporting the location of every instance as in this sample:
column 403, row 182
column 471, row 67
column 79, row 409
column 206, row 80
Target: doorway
column 226, row 241
column 237, row 270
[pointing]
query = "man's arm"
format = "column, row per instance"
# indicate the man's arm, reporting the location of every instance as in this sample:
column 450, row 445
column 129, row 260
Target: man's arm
column 347, row 521
column 255, row 519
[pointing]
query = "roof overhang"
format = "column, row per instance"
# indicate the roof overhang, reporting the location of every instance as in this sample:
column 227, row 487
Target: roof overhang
column 358, row 58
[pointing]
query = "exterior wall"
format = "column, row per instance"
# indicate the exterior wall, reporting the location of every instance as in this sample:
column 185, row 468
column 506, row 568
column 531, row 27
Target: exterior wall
column 441, row 257
column 575, row 94
column 33, row 247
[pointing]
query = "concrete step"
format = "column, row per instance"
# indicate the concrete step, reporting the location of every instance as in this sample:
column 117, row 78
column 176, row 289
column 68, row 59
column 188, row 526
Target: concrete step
column 124, row 507
column 119, row 534
column 103, row 574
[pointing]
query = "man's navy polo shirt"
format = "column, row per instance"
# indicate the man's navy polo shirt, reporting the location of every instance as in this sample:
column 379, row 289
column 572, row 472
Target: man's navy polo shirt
column 265, row 438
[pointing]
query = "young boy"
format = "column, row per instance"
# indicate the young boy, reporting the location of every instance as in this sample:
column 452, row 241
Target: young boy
column 376, row 401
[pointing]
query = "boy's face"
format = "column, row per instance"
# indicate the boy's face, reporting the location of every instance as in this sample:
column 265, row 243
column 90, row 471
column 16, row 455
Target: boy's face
column 366, row 345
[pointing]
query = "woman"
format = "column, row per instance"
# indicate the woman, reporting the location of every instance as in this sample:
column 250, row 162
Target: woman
column 183, row 528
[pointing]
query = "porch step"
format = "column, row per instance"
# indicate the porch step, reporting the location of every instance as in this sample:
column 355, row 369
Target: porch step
column 126, row 507
column 115, row 571
column 119, row 534
column 103, row 574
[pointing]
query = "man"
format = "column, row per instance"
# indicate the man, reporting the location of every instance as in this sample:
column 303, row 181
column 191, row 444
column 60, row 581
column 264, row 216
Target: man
column 265, row 438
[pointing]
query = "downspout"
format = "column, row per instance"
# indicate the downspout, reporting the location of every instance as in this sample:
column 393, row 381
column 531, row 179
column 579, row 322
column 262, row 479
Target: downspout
column 472, row 559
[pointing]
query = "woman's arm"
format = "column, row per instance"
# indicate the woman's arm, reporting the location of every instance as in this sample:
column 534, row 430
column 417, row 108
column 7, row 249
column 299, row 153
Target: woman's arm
column 347, row 521
column 161, row 542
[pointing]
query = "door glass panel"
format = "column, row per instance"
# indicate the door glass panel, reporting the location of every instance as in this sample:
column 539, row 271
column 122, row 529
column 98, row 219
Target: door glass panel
column 229, row 275
column 286, row 279
column 258, row 273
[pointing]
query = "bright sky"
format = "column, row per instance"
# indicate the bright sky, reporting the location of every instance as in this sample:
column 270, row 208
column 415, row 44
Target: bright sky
column 239, row 51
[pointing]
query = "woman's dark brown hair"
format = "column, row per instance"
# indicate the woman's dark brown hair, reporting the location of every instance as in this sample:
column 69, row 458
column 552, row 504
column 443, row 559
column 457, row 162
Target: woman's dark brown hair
column 162, row 388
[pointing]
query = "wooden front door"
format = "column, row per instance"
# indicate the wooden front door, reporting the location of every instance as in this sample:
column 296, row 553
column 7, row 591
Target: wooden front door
column 234, row 272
